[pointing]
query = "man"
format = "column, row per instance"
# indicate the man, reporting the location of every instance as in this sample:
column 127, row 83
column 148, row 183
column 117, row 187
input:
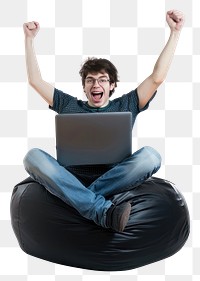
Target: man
column 99, row 79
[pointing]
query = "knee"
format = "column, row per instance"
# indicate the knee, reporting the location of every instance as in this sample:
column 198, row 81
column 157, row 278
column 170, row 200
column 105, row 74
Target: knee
column 152, row 157
column 31, row 158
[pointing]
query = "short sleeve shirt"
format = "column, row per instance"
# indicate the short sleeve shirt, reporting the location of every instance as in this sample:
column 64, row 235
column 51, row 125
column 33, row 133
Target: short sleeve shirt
column 64, row 103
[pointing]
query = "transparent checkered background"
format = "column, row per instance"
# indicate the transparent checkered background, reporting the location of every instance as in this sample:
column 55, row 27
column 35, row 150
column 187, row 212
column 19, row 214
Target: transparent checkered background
column 131, row 34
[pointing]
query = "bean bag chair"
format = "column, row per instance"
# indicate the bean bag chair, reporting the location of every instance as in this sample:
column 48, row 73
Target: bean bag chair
column 49, row 229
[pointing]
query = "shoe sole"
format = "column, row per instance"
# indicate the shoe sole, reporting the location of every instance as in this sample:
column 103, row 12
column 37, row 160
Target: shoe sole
column 125, row 217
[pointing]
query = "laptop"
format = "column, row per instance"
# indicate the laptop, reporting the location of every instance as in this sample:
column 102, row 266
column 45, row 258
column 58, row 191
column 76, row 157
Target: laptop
column 93, row 138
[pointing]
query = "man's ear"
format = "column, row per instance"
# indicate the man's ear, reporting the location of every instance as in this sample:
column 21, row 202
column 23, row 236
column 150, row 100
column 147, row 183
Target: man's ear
column 85, row 92
column 112, row 86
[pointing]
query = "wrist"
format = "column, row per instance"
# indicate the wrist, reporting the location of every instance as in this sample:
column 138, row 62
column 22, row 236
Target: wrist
column 175, row 34
column 29, row 39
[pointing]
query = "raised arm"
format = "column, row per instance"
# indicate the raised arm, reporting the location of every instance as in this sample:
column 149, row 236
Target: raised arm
column 33, row 72
column 147, row 88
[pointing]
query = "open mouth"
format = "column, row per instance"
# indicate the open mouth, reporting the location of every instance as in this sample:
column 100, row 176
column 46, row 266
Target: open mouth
column 97, row 96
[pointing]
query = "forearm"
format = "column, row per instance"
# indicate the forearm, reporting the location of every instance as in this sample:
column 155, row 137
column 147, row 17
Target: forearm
column 45, row 89
column 164, row 60
column 33, row 71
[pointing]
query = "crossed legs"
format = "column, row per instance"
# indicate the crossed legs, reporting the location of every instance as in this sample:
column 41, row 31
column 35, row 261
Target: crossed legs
column 90, row 202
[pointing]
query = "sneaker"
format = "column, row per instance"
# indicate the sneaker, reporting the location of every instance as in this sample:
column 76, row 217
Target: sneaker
column 118, row 216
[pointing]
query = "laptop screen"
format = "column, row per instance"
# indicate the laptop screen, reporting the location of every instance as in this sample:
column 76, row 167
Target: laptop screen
column 93, row 138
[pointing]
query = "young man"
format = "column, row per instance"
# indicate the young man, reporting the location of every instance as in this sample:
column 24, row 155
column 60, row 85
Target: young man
column 99, row 78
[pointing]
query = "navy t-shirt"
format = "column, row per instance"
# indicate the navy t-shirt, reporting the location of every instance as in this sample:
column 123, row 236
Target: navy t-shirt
column 64, row 103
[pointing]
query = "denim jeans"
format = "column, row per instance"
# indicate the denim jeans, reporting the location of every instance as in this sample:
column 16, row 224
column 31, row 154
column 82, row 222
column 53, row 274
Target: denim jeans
column 91, row 202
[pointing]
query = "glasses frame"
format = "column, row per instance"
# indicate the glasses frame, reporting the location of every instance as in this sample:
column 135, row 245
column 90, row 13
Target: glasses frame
column 98, row 80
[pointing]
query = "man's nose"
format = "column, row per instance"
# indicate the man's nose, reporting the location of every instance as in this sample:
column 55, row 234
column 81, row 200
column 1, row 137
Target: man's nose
column 96, row 83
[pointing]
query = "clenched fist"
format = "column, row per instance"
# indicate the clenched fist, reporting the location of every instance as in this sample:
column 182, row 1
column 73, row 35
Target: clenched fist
column 175, row 20
column 31, row 29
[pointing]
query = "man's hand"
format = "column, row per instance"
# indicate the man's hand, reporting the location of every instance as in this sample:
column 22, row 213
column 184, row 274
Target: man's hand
column 31, row 29
column 175, row 20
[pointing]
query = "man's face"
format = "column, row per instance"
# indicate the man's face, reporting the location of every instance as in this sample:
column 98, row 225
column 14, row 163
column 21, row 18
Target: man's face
column 97, row 91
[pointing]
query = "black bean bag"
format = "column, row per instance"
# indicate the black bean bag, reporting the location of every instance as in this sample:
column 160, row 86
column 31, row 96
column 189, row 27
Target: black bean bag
column 49, row 229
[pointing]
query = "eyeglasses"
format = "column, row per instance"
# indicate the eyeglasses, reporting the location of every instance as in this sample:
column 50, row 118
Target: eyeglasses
column 92, row 81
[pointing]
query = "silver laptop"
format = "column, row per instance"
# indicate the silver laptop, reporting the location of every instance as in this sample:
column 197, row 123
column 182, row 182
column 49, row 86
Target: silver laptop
column 93, row 138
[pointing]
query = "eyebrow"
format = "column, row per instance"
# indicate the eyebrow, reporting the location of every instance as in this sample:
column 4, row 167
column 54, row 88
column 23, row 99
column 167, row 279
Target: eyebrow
column 98, row 77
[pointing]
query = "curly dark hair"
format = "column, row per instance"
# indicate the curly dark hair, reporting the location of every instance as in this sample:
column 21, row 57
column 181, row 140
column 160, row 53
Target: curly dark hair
column 95, row 65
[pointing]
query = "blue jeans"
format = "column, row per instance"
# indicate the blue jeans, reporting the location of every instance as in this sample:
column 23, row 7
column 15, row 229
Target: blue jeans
column 91, row 202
